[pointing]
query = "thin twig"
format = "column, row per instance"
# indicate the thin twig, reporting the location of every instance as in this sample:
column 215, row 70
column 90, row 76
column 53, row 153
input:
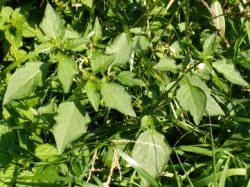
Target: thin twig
column 115, row 164
column 92, row 169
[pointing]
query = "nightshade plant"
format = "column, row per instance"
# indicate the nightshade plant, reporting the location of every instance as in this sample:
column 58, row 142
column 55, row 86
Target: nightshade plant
column 124, row 93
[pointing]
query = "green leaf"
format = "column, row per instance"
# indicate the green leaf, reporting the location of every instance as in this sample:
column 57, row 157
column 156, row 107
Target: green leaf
column 147, row 122
column 23, row 82
column 192, row 99
column 166, row 64
column 128, row 78
column 91, row 88
column 197, row 149
column 14, row 37
column 71, row 124
column 140, row 43
column 6, row 13
column 120, row 49
column 139, row 168
column 6, row 136
column 218, row 17
column 66, row 71
column 52, row 24
column 6, row 175
column 100, row 62
column 98, row 31
column 212, row 107
column 75, row 44
column 152, row 152
column 46, row 152
column 227, row 68
column 209, row 179
column 247, row 24
column 88, row 3
column 224, row 174
column 116, row 97
column 208, row 46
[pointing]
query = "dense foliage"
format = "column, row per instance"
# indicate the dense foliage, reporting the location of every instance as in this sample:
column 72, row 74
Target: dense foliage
column 124, row 93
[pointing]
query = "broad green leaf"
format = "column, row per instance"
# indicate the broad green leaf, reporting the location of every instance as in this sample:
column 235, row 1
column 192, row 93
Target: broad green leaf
column 142, row 172
column 192, row 99
column 128, row 78
column 100, row 62
column 199, row 82
column 116, row 97
column 75, row 44
column 23, row 82
column 74, row 41
column 208, row 46
column 6, row 175
column 140, row 43
column 227, row 68
column 152, row 152
column 71, row 124
column 120, row 49
column 88, row 3
column 166, row 64
column 52, row 24
column 98, row 31
column 93, row 94
column 5, row 13
column 218, row 17
column 46, row 152
column 212, row 107
column 66, row 71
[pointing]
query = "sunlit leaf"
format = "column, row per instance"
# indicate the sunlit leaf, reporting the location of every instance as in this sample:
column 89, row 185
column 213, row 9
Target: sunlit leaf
column 152, row 152
column 46, row 152
column 100, row 62
column 98, row 31
column 166, row 64
column 71, row 124
column 93, row 93
column 248, row 29
column 212, row 107
column 120, row 49
column 143, row 173
column 66, row 71
column 23, row 82
column 140, row 43
column 227, row 68
column 218, row 17
column 116, row 97
column 129, row 78
column 208, row 46
column 52, row 24
column 192, row 99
